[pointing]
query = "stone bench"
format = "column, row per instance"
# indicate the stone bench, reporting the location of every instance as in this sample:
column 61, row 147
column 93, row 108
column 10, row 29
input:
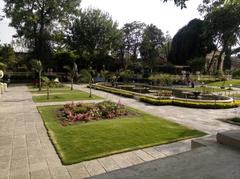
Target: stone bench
column 229, row 138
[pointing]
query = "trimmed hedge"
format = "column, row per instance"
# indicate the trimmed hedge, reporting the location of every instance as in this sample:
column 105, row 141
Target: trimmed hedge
column 156, row 101
column 175, row 102
column 117, row 92
column 190, row 104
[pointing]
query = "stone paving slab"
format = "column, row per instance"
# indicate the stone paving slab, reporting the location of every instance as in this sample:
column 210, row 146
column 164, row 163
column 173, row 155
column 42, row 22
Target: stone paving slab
column 26, row 151
column 201, row 119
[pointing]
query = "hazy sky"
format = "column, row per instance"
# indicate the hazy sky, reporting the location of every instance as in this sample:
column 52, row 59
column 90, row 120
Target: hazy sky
column 166, row 16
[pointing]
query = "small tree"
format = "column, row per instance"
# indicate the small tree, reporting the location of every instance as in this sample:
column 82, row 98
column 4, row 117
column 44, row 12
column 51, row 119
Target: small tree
column 86, row 76
column 72, row 72
column 47, row 82
column 37, row 66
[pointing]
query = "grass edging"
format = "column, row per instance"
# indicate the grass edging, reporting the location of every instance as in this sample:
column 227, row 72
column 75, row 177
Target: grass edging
column 52, row 126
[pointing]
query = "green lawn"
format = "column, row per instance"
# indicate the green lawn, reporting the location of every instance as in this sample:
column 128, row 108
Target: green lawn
column 85, row 141
column 227, row 83
column 62, row 94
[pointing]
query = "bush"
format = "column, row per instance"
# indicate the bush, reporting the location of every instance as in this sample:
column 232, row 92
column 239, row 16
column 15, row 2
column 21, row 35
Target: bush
column 164, row 79
column 236, row 74
column 114, row 91
column 156, row 101
column 190, row 104
column 71, row 113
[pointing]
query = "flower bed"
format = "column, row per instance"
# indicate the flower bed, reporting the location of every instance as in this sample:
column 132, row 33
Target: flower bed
column 79, row 112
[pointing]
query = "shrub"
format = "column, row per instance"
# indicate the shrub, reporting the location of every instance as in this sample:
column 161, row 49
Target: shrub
column 114, row 91
column 71, row 113
column 156, row 101
column 164, row 79
column 236, row 74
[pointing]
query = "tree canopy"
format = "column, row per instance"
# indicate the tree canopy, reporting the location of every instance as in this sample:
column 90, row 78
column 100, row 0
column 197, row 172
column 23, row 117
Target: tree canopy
column 36, row 20
column 189, row 43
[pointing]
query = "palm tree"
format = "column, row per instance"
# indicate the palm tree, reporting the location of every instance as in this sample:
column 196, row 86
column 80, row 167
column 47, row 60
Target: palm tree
column 37, row 66
column 72, row 72
column 86, row 76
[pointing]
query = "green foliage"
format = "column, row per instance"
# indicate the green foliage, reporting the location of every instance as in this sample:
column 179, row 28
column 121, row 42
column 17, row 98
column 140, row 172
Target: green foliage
column 190, row 104
column 197, row 64
column 126, row 74
column 72, row 73
column 93, row 36
column 2, row 66
column 36, row 21
column 189, row 43
column 153, row 40
column 38, row 67
column 164, row 79
column 124, row 93
column 236, row 74
column 222, row 23
column 7, row 57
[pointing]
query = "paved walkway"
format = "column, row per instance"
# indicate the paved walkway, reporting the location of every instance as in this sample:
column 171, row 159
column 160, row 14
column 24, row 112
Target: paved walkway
column 26, row 151
column 201, row 119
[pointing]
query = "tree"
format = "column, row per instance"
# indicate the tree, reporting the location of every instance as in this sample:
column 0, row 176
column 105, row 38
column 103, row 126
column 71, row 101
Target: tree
column 153, row 40
column 47, row 82
column 86, row 76
column 93, row 35
column 190, row 43
column 36, row 20
column 182, row 3
column 132, row 39
column 223, row 25
column 37, row 66
column 7, row 56
column 72, row 73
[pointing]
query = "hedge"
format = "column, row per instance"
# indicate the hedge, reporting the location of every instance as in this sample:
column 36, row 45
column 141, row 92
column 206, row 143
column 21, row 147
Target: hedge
column 117, row 92
column 190, row 104
column 175, row 102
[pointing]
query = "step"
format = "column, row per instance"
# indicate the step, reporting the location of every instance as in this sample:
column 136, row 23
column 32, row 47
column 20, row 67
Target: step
column 230, row 138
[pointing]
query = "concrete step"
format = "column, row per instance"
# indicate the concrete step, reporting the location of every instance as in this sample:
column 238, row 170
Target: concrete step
column 229, row 138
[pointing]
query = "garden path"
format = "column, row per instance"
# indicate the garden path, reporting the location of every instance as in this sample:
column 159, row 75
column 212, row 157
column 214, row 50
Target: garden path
column 26, row 151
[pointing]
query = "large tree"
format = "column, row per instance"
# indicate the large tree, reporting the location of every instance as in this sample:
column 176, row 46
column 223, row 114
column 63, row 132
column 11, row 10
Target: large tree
column 35, row 21
column 94, row 35
column 132, row 39
column 190, row 43
column 223, row 24
column 153, row 40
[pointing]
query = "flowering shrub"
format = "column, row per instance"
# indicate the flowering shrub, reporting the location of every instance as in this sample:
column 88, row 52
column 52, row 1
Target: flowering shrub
column 71, row 113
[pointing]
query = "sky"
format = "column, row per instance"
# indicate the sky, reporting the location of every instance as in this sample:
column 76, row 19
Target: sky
column 165, row 16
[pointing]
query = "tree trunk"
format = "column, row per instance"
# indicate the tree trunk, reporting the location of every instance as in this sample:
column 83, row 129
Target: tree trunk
column 39, row 81
column 220, row 61
column 90, row 87
column 71, row 84
column 47, row 91
column 211, row 62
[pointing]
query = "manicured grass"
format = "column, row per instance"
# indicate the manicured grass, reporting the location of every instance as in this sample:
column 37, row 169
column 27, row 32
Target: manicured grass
column 57, row 95
column 85, row 141
column 226, row 84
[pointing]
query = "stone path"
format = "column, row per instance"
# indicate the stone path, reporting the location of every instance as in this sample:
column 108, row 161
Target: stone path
column 201, row 119
column 26, row 151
